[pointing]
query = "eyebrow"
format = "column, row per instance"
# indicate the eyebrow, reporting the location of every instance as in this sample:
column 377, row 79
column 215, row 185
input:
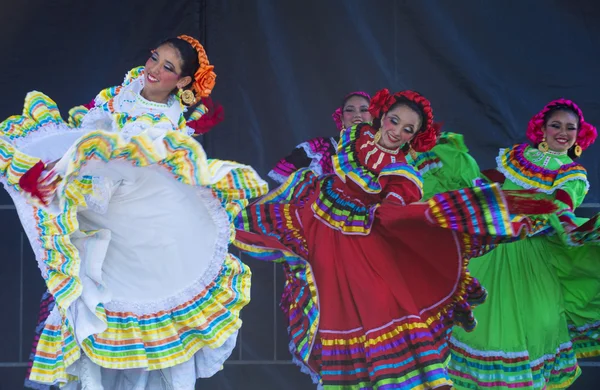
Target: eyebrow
column 559, row 122
column 352, row 105
column 168, row 62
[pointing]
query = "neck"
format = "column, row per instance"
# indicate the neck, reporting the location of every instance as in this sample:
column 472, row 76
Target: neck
column 557, row 153
column 156, row 98
column 377, row 142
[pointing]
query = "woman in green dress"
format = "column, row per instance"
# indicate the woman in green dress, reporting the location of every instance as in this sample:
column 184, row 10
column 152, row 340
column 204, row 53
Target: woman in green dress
column 543, row 308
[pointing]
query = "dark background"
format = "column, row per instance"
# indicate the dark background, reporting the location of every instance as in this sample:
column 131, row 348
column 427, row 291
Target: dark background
column 283, row 67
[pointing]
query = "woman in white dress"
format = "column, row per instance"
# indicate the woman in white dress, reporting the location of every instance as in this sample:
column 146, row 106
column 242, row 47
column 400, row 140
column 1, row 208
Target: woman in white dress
column 130, row 224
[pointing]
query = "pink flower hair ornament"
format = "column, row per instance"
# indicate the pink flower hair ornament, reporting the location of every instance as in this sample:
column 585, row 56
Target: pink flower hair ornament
column 586, row 135
column 337, row 114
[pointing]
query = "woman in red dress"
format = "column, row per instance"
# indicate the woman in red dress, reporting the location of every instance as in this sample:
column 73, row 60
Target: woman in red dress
column 374, row 279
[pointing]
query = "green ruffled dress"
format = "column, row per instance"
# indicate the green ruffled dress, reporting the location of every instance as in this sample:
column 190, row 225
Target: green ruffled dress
column 446, row 167
column 543, row 308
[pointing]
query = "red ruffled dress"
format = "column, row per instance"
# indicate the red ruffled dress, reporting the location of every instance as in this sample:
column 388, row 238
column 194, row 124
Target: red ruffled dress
column 375, row 281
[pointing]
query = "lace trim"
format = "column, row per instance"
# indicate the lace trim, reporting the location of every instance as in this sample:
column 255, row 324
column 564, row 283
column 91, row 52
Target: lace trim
column 585, row 327
column 218, row 257
column 41, row 132
column 310, row 153
column 278, row 177
column 315, row 378
column 316, row 157
column 334, row 142
column 99, row 199
column 134, row 128
column 99, row 114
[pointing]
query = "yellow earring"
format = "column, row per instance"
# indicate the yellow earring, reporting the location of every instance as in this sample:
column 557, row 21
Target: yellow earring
column 577, row 150
column 412, row 152
column 377, row 136
column 187, row 97
column 543, row 146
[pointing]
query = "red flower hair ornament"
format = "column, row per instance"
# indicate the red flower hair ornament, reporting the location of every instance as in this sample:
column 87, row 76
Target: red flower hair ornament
column 428, row 135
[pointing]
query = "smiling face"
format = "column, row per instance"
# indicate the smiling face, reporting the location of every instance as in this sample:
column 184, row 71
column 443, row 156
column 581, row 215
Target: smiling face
column 162, row 73
column 355, row 111
column 398, row 126
column 560, row 130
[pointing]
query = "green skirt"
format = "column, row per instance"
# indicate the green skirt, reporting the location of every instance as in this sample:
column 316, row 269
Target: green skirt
column 542, row 313
column 446, row 167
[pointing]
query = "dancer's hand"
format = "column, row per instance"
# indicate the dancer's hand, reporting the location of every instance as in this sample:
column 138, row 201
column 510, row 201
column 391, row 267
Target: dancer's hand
column 40, row 183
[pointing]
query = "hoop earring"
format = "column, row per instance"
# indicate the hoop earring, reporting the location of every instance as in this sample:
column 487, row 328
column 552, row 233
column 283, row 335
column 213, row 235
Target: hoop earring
column 577, row 150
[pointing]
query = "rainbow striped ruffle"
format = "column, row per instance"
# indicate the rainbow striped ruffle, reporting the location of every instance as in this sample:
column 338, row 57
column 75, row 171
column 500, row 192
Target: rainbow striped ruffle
column 347, row 164
column 315, row 154
column 150, row 340
column 39, row 111
column 471, row 368
column 513, row 164
column 207, row 317
column 300, row 299
column 106, row 96
column 586, row 340
column 13, row 164
column 483, row 212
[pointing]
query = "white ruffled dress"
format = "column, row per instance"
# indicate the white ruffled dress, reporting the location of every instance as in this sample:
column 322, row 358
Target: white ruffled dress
column 134, row 244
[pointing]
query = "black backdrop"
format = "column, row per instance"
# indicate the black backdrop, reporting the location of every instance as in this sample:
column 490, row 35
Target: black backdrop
column 282, row 68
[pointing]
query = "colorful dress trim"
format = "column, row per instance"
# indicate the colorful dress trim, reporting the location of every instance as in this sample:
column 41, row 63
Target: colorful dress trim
column 198, row 322
column 347, row 163
column 407, row 350
column 314, row 154
column 513, row 165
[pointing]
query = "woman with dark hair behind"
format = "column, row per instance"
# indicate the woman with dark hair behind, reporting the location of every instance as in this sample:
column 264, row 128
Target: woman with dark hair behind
column 130, row 224
column 446, row 167
column 543, row 310
column 316, row 153
column 374, row 279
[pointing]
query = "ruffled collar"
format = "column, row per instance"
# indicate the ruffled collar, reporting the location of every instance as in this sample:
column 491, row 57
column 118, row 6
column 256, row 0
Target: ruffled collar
column 374, row 156
column 128, row 105
column 515, row 166
column 361, row 161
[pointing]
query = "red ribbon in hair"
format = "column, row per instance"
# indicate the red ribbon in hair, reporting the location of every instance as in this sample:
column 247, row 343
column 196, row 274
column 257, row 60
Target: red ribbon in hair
column 428, row 135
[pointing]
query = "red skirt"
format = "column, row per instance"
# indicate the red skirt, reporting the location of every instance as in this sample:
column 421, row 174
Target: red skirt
column 373, row 310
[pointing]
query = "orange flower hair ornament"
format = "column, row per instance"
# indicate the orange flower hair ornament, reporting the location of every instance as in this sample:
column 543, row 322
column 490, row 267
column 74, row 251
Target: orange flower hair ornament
column 204, row 78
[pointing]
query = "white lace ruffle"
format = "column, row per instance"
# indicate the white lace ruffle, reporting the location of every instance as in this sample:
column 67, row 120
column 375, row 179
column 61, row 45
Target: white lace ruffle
column 221, row 250
column 135, row 128
column 99, row 199
column 278, row 177
column 315, row 158
column 41, row 132
column 204, row 364
column 99, row 119
column 49, row 142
